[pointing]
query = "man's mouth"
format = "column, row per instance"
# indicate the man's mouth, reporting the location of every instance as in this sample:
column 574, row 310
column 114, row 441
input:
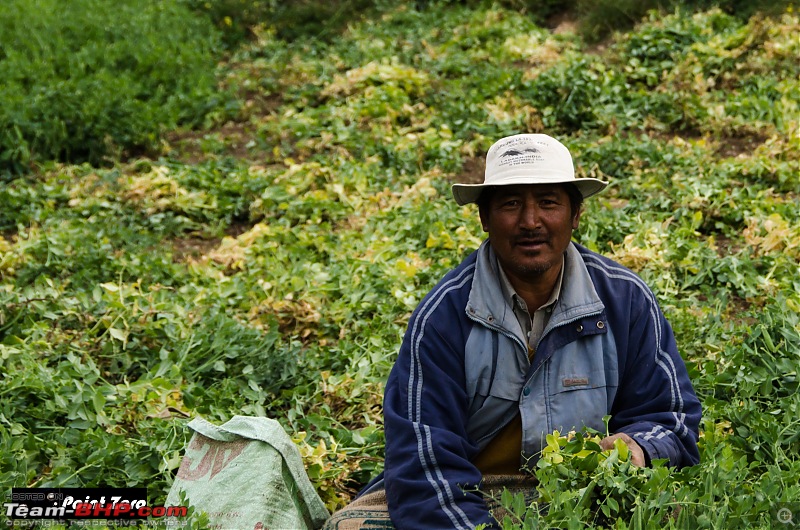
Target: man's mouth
column 531, row 243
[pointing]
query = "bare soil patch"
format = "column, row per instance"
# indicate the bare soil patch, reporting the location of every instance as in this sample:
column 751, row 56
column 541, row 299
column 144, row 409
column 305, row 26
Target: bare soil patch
column 237, row 140
column 727, row 246
column 471, row 171
column 186, row 248
column 736, row 145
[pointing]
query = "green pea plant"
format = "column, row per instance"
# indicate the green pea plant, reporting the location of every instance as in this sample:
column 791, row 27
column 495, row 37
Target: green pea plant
column 578, row 483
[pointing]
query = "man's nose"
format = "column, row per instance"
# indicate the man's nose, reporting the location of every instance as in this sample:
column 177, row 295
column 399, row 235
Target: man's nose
column 530, row 217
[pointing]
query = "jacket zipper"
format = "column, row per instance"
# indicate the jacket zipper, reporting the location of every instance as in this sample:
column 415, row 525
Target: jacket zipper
column 559, row 325
column 513, row 337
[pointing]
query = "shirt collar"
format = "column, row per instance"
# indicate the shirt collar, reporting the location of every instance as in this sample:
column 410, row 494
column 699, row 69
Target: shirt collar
column 577, row 299
column 510, row 294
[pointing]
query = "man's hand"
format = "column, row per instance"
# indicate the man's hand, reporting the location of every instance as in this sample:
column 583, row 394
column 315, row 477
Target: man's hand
column 637, row 455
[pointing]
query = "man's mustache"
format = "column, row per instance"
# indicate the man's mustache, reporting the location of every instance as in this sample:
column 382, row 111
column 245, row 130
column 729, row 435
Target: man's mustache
column 531, row 237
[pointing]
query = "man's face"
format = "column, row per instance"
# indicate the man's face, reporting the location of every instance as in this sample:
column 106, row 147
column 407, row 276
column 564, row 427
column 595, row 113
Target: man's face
column 529, row 227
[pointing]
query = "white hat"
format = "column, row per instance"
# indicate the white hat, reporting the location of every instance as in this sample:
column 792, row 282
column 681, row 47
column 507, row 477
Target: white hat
column 527, row 159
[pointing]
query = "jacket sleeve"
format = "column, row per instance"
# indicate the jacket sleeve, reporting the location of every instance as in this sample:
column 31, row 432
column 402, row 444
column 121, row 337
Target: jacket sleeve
column 655, row 403
column 428, row 474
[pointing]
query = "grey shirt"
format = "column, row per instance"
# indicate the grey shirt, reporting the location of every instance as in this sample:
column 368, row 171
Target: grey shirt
column 532, row 327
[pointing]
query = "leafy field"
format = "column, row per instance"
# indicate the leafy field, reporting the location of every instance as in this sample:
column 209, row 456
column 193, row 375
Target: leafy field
column 267, row 265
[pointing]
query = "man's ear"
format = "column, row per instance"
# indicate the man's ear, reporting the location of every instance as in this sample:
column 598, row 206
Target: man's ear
column 576, row 219
column 484, row 218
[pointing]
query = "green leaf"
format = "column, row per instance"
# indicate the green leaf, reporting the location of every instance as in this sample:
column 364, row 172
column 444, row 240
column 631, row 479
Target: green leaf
column 119, row 334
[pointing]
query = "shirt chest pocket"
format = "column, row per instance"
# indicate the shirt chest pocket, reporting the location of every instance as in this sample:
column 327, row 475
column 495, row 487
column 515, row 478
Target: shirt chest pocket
column 581, row 389
column 495, row 368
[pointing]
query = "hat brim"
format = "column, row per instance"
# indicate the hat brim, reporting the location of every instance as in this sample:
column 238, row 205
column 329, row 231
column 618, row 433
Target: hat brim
column 469, row 193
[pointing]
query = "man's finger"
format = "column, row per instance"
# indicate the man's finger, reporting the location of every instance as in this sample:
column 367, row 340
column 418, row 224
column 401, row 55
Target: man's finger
column 637, row 454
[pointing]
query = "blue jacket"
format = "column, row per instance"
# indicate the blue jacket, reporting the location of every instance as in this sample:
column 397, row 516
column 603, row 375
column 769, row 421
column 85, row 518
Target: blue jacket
column 463, row 373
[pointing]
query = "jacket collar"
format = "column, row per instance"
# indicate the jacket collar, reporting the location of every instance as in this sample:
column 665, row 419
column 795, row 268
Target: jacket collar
column 486, row 303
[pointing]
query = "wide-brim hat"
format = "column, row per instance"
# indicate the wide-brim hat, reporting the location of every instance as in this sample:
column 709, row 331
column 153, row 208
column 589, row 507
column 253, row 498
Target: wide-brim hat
column 527, row 159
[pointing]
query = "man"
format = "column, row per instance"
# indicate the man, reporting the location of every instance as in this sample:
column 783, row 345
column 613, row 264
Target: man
column 530, row 334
